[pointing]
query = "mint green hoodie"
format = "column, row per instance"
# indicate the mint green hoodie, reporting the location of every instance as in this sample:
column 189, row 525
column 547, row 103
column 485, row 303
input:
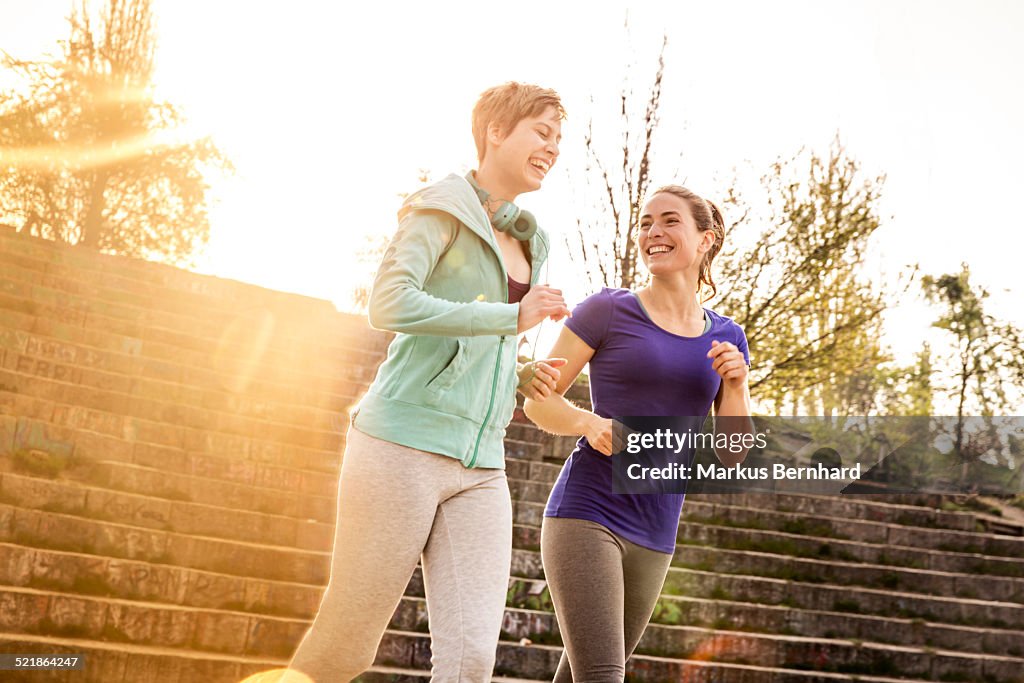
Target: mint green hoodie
column 449, row 382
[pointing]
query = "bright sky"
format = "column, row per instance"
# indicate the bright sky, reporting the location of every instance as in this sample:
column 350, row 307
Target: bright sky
column 330, row 109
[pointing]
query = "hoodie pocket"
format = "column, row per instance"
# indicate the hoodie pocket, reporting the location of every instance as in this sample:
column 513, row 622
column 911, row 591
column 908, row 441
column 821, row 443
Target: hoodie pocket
column 445, row 380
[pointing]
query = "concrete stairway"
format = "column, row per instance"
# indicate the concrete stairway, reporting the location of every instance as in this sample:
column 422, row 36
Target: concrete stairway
column 169, row 447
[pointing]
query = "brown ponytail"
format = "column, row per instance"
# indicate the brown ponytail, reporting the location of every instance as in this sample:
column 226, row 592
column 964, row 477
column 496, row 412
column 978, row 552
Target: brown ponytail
column 707, row 216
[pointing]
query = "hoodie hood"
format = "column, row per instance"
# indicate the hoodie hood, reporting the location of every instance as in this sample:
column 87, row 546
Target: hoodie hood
column 454, row 195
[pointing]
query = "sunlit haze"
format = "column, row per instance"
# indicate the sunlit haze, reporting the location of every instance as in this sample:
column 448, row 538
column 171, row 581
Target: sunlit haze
column 329, row 111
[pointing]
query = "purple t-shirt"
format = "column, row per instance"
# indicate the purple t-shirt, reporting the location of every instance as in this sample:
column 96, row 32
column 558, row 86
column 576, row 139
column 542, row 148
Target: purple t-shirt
column 638, row 369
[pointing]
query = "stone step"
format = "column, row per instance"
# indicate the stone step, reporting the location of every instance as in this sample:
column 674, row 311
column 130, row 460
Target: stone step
column 244, row 460
column 113, row 620
column 60, row 429
column 202, row 364
column 820, row 613
column 112, row 294
column 243, row 360
column 902, row 530
column 875, row 548
column 798, row 652
column 127, row 621
column 702, row 533
column 62, row 344
column 274, row 543
column 536, row 479
column 314, row 478
column 85, row 275
column 115, row 662
column 164, row 421
column 411, row 651
column 526, row 566
column 871, row 508
column 225, row 331
column 806, row 524
column 94, row 504
column 75, row 435
column 45, row 613
column 819, row 596
column 28, row 355
column 696, row 672
column 898, row 532
column 728, row 550
column 56, row 531
column 997, row 588
column 65, row 498
column 902, row 548
column 76, row 572
column 1002, row 527
column 242, row 470
column 656, row 640
column 779, row 619
column 267, row 527
column 93, row 575
column 527, row 515
column 831, row 597
column 130, row 277
column 919, row 509
column 123, row 663
column 394, row 674
column 540, row 626
column 87, row 575
column 140, row 274
column 160, row 483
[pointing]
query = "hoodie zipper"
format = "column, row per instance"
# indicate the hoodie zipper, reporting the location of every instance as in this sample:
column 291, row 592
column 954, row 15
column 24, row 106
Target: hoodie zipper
column 490, row 404
column 497, row 366
column 497, row 360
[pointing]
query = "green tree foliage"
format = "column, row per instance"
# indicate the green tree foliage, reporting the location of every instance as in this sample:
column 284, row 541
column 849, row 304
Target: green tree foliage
column 812, row 318
column 908, row 390
column 986, row 360
column 89, row 157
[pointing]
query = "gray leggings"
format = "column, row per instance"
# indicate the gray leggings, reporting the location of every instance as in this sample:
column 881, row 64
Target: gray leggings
column 604, row 589
column 397, row 505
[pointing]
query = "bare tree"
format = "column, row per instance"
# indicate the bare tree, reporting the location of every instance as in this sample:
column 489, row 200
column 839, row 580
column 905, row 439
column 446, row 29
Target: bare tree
column 604, row 243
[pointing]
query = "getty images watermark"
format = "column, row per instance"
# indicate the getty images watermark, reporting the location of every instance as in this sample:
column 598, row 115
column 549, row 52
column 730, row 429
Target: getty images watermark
column 840, row 456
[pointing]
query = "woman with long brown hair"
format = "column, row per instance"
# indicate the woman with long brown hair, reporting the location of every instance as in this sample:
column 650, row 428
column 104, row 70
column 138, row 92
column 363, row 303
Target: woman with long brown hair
column 652, row 352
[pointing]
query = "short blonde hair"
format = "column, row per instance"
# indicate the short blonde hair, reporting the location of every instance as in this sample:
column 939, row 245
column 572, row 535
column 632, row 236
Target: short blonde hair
column 507, row 105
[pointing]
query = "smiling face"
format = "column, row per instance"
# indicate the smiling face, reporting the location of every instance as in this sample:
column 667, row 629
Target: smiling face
column 669, row 238
column 525, row 155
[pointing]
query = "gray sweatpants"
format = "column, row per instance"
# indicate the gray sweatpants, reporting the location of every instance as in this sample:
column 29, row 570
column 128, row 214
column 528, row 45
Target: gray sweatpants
column 397, row 505
column 604, row 589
